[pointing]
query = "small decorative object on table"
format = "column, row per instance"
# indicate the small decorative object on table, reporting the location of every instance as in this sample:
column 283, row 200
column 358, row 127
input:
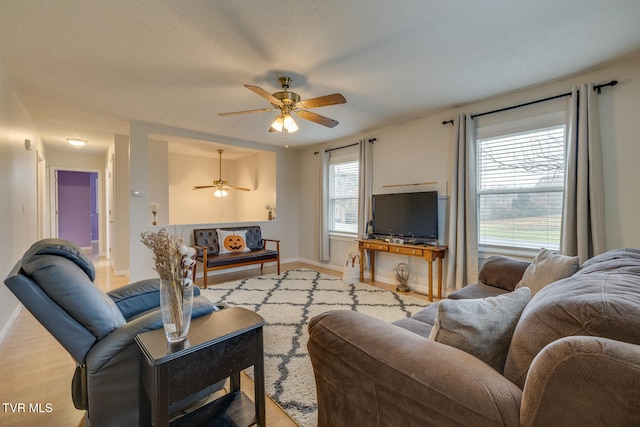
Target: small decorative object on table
column 401, row 274
column 270, row 209
column 174, row 263
column 154, row 210
column 351, row 272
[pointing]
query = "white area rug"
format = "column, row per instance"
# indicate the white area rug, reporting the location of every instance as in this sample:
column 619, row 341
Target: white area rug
column 287, row 302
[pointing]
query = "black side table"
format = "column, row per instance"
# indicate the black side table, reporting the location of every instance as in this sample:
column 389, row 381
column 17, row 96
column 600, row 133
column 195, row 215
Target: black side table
column 218, row 346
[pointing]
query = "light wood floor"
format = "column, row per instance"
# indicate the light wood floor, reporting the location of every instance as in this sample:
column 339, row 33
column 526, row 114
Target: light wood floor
column 35, row 369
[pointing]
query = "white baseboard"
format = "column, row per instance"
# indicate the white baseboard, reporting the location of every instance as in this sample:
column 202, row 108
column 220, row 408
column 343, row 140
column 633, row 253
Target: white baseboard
column 10, row 322
column 318, row 264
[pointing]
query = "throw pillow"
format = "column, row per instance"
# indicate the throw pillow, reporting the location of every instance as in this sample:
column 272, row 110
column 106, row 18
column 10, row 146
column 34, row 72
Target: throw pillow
column 481, row 327
column 232, row 241
column 547, row 268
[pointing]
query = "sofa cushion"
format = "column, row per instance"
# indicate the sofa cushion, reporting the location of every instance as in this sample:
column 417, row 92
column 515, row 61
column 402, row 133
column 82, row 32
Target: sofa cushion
column 240, row 257
column 602, row 299
column 420, row 323
column 502, row 272
column 547, row 268
column 477, row 290
column 208, row 238
column 232, row 241
column 481, row 327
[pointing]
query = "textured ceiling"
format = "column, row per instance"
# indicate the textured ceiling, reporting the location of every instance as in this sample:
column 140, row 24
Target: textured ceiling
column 86, row 68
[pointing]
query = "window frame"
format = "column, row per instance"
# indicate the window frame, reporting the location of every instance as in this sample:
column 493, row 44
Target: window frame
column 506, row 128
column 343, row 157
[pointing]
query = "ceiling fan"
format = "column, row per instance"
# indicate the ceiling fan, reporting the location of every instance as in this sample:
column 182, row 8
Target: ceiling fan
column 289, row 102
column 221, row 186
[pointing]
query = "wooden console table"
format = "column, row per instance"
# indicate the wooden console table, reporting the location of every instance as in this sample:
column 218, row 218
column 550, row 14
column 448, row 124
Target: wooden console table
column 429, row 253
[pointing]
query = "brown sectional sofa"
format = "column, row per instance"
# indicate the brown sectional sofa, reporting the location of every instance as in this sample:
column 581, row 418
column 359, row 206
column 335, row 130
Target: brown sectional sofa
column 574, row 358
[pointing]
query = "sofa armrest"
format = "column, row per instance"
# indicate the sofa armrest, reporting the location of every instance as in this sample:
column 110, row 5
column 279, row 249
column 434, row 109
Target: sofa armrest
column 585, row 381
column 502, row 272
column 369, row 372
column 276, row 241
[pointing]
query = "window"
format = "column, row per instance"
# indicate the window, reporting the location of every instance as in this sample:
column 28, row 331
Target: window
column 520, row 188
column 343, row 195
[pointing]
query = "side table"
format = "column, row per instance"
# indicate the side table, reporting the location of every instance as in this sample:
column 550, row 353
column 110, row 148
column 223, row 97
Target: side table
column 218, row 346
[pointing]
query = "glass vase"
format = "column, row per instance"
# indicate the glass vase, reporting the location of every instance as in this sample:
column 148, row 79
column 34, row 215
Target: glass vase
column 176, row 303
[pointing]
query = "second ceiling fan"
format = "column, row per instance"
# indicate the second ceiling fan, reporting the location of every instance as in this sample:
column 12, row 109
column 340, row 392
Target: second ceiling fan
column 289, row 102
column 221, row 186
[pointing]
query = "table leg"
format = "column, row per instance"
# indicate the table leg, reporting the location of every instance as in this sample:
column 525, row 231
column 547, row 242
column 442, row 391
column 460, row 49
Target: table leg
column 361, row 265
column 160, row 397
column 258, row 372
column 234, row 382
column 144, row 404
column 430, row 280
column 439, row 278
column 373, row 265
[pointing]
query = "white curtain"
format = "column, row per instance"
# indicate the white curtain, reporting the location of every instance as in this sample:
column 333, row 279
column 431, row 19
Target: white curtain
column 462, row 256
column 365, row 184
column 323, row 167
column 583, row 209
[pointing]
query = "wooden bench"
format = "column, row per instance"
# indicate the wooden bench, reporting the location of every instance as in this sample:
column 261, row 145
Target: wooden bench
column 220, row 248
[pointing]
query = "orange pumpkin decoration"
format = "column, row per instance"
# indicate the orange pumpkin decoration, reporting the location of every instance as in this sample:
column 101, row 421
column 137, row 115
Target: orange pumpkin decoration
column 234, row 243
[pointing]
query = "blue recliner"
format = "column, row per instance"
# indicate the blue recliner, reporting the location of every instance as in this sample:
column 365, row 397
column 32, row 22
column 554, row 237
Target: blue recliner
column 54, row 281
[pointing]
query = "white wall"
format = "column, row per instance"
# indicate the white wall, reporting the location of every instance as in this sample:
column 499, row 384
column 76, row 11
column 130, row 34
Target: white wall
column 257, row 172
column 120, row 213
column 421, row 151
column 18, row 210
column 159, row 191
column 188, row 206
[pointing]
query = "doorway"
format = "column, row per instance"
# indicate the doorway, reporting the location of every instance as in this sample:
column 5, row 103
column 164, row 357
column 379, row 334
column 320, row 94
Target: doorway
column 77, row 208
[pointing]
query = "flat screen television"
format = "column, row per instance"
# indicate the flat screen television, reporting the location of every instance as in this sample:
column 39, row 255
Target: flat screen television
column 406, row 214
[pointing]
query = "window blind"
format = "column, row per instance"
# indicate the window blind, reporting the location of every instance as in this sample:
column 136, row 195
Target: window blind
column 343, row 200
column 520, row 188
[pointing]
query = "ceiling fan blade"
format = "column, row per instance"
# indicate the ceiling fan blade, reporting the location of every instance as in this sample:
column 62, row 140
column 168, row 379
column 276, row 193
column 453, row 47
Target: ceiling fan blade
column 199, row 187
column 260, row 110
column 240, row 188
column 322, row 101
column 263, row 93
column 317, row 118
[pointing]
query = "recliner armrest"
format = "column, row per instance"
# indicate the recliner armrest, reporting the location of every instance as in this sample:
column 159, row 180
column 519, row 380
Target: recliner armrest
column 104, row 350
column 138, row 297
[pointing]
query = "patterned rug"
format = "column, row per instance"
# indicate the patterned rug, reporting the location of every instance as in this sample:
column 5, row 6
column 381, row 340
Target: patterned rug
column 287, row 302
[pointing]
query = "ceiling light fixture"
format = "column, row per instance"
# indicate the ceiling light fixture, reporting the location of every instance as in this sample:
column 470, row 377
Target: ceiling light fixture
column 221, row 192
column 284, row 123
column 77, row 142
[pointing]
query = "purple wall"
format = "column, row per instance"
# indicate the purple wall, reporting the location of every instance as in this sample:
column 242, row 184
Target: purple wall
column 74, row 207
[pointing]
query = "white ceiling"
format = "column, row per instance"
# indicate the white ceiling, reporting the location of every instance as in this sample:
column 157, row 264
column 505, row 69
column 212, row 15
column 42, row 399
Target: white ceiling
column 85, row 68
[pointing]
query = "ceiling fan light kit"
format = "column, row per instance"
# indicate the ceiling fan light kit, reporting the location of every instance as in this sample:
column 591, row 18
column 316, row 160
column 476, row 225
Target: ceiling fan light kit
column 288, row 103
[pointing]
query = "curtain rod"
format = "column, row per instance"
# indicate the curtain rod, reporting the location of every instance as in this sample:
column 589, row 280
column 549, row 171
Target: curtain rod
column 371, row 141
column 597, row 88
